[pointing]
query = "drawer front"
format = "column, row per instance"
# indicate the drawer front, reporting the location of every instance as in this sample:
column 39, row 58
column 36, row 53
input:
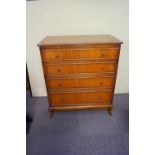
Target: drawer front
column 78, row 68
column 56, row 54
column 80, row 82
column 80, row 98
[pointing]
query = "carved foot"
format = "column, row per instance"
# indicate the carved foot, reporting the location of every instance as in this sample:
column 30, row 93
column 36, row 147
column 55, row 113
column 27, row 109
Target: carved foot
column 51, row 113
column 110, row 111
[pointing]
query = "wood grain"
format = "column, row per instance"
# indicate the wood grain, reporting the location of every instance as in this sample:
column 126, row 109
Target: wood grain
column 80, row 71
column 80, row 107
column 80, row 98
column 80, row 82
column 78, row 68
column 81, row 39
column 57, row 54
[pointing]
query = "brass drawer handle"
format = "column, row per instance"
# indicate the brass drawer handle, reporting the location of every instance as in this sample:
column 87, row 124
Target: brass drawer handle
column 101, row 83
column 103, row 54
column 60, row 85
column 62, row 99
column 102, row 69
column 57, row 56
column 100, row 98
column 58, row 70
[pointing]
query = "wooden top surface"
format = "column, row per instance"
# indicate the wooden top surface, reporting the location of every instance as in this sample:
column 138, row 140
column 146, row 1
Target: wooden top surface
column 81, row 39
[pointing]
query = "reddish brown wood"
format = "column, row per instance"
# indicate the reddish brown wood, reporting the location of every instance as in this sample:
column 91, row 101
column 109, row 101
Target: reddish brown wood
column 80, row 71
column 80, row 98
column 79, row 40
column 80, row 82
column 91, row 53
column 110, row 111
column 80, row 107
column 79, row 68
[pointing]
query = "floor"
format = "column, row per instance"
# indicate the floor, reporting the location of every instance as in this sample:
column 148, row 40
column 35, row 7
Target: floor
column 85, row 132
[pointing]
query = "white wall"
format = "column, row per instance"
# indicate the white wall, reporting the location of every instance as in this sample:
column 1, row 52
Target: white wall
column 75, row 17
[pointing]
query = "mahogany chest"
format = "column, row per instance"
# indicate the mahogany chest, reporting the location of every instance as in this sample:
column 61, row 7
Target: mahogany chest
column 80, row 71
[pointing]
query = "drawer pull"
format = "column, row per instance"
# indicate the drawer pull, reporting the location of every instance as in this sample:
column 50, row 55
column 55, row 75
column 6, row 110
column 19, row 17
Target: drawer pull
column 102, row 69
column 100, row 98
column 101, row 83
column 61, row 99
column 58, row 70
column 57, row 56
column 103, row 54
column 60, row 85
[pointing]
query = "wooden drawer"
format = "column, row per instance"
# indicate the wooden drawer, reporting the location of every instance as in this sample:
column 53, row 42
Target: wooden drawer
column 80, row 82
column 78, row 68
column 80, row 71
column 80, row 98
column 56, row 54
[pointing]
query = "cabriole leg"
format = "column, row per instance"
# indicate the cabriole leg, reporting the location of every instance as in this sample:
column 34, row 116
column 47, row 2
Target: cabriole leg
column 110, row 111
column 51, row 113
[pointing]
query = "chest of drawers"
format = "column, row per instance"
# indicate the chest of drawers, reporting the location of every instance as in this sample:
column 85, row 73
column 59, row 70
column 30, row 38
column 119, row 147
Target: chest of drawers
column 80, row 71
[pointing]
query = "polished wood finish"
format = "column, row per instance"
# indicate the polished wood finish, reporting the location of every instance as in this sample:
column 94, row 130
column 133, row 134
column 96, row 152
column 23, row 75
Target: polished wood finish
column 80, row 98
column 80, row 107
column 78, row 40
column 80, row 71
column 110, row 111
column 80, row 82
column 79, row 68
column 89, row 53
